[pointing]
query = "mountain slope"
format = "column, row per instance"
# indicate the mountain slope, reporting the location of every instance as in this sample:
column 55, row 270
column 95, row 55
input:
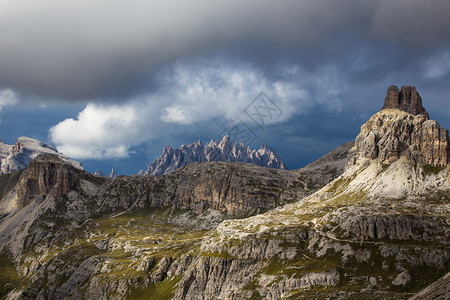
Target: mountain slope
column 220, row 150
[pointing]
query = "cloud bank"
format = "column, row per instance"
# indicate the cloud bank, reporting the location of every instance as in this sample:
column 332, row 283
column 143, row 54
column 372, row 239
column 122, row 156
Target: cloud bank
column 98, row 132
column 210, row 90
column 85, row 49
column 218, row 88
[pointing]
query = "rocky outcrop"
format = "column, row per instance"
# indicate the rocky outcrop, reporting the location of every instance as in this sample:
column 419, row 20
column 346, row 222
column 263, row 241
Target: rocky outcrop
column 220, row 150
column 392, row 133
column 214, row 277
column 46, row 174
column 236, row 189
column 388, row 134
column 407, row 100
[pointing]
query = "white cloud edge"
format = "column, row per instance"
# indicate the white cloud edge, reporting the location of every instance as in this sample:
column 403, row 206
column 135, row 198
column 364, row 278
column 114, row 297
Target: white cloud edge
column 189, row 93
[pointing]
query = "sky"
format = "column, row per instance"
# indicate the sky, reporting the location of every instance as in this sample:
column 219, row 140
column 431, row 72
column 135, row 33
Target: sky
column 111, row 82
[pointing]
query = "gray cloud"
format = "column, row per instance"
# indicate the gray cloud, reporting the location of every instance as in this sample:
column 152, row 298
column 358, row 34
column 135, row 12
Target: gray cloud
column 88, row 49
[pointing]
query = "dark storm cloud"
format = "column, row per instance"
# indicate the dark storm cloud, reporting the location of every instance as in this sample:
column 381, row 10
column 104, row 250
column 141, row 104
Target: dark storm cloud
column 94, row 49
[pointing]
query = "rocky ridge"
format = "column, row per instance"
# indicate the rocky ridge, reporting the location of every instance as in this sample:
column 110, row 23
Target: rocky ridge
column 220, row 150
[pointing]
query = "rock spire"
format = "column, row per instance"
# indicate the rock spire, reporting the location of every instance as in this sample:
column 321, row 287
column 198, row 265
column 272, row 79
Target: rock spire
column 407, row 100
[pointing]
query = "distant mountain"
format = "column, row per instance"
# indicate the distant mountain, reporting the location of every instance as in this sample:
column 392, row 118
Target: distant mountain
column 220, row 150
column 18, row 156
column 99, row 173
column 113, row 173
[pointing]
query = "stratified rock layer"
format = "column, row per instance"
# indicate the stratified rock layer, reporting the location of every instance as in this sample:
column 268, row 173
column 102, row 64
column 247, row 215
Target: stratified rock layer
column 46, row 174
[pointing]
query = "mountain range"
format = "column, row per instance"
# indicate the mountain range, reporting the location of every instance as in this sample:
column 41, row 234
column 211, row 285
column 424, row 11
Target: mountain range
column 219, row 150
column 18, row 156
column 368, row 220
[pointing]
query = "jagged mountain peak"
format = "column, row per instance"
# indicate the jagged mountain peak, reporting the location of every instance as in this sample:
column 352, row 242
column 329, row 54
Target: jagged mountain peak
column 226, row 139
column 99, row 173
column 219, row 150
column 113, row 173
column 199, row 143
column 264, row 147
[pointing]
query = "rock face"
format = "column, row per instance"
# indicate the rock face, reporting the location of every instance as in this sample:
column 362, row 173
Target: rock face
column 407, row 100
column 18, row 156
column 45, row 175
column 220, row 150
column 391, row 133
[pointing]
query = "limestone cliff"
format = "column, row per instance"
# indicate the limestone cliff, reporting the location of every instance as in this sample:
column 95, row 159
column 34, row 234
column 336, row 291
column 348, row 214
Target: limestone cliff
column 45, row 175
